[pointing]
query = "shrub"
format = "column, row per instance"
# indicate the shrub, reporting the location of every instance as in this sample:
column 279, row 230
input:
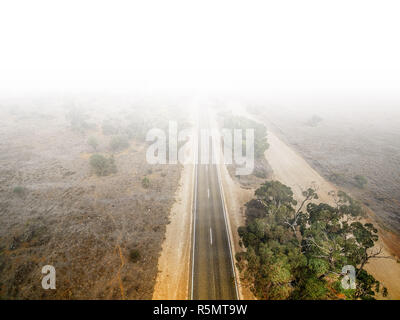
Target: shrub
column 145, row 182
column 260, row 132
column 119, row 143
column 313, row 121
column 77, row 120
column 101, row 165
column 109, row 128
column 134, row 255
column 92, row 141
column 260, row 172
column 338, row 178
column 360, row 181
column 19, row 190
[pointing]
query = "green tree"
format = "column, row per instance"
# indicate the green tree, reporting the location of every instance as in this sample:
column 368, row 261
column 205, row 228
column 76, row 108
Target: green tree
column 273, row 195
column 297, row 251
column 101, row 165
column 312, row 288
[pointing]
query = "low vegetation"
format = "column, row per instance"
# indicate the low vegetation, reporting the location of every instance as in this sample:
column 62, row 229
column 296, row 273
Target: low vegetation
column 19, row 190
column 313, row 121
column 119, row 143
column 297, row 250
column 134, row 255
column 145, row 182
column 337, row 178
column 260, row 132
column 101, row 165
column 136, row 129
column 77, row 120
column 360, row 181
column 109, row 127
column 92, row 141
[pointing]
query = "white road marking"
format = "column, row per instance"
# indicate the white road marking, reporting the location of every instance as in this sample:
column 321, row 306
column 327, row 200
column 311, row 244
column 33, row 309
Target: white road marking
column 211, row 236
column 208, row 193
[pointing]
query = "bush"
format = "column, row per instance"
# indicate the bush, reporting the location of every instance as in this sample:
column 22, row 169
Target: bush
column 260, row 132
column 338, row 178
column 19, row 190
column 77, row 120
column 360, row 181
column 101, row 165
column 92, row 141
column 136, row 130
column 260, row 172
column 145, row 182
column 119, row 143
column 134, row 255
column 109, row 128
column 313, row 121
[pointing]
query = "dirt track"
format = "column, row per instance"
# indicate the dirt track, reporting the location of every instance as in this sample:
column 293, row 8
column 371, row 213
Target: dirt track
column 292, row 170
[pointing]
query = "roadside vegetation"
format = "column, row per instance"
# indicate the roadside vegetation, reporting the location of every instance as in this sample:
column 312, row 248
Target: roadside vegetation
column 262, row 169
column 260, row 132
column 297, row 250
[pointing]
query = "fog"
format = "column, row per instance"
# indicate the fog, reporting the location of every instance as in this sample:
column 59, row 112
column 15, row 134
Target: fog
column 252, row 48
column 337, row 61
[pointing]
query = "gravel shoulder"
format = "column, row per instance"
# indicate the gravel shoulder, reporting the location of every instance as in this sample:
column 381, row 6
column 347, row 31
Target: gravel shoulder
column 174, row 263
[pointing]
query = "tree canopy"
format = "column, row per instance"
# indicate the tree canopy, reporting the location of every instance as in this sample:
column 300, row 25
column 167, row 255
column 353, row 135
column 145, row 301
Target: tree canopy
column 296, row 250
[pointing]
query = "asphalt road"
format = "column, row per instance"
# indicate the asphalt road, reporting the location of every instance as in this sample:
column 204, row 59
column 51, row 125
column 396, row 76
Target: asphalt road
column 212, row 269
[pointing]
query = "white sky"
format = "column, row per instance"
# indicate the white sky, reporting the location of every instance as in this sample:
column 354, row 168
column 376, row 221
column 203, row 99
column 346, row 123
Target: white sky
column 246, row 46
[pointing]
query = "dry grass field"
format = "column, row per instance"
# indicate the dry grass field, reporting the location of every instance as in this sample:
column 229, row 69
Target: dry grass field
column 103, row 234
